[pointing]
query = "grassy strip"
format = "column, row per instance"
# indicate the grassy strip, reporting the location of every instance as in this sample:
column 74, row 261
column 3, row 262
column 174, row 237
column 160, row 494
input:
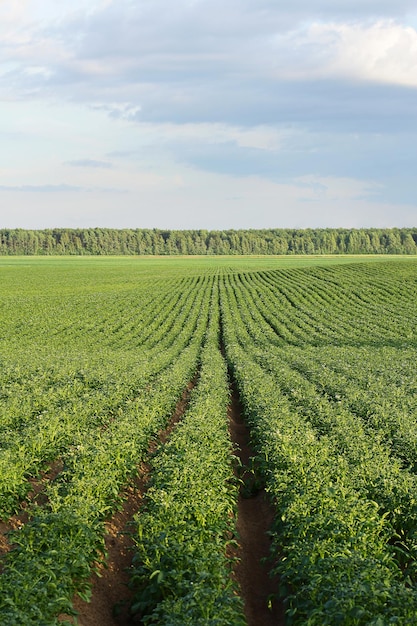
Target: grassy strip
column 181, row 571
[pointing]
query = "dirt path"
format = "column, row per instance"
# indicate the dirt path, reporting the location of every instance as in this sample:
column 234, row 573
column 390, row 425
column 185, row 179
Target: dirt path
column 255, row 516
column 110, row 595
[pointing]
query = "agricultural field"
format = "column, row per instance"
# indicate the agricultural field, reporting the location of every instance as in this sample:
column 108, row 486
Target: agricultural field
column 119, row 374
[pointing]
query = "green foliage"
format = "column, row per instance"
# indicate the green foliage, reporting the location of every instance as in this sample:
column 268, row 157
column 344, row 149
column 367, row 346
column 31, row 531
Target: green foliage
column 344, row 537
column 181, row 571
column 96, row 353
column 57, row 549
column 52, row 560
column 107, row 241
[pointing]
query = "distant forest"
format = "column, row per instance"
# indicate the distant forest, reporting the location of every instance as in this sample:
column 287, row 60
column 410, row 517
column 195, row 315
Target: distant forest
column 108, row 241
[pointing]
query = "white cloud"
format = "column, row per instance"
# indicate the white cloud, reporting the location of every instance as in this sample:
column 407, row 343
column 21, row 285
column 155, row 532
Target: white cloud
column 383, row 52
column 336, row 189
column 261, row 137
column 89, row 163
column 204, row 101
column 227, row 202
column 38, row 70
column 121, row 110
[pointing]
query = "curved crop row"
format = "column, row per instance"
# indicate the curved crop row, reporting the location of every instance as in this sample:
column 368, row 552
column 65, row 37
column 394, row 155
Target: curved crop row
column 337, row 310
column 55, row 552
column 331, row 539
column 382, row 395
column 62, row 423
column 374, row 472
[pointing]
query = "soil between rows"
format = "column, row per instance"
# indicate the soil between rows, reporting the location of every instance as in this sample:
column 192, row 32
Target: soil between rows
column 35, row 496
column 254, row 520
column 110, row 593
column 110, row 599
column 255, row 515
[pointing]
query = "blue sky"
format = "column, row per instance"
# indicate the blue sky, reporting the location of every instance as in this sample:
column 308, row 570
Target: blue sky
column 208, row 114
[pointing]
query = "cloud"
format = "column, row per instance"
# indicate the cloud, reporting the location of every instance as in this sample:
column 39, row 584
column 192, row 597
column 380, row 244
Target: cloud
column 129, row 48
column 62, row 188
column 262, row 136
column 118, row 110
column 332, row 189
column 90, row 163
column 227, row 202
column 44, row 188
column 384, row 52
column 280, row 100
column 240, row 63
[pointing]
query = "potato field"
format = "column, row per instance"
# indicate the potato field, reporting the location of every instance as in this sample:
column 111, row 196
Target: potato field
column 99, row 356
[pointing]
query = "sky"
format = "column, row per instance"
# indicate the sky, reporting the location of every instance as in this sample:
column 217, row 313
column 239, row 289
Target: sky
column 208, row 114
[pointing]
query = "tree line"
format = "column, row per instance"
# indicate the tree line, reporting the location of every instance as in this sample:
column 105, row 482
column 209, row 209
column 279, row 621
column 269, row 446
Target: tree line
column 109, row 241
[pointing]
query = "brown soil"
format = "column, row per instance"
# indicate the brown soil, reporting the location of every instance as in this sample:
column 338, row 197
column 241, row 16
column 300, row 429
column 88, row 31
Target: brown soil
column 255, row 515
column 110, row 594
column 13, row 523
column 109, row 588
column 109, row 604
column 35, row 496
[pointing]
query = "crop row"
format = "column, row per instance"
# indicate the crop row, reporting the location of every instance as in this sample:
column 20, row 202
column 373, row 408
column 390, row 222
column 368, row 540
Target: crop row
column 373, row 454
column 181, row 571
column 324, row 360
column 56, row 551
column 305, row 307
column 383, row 393
column 85, row 401
column 346, row 512
column 383, row 397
